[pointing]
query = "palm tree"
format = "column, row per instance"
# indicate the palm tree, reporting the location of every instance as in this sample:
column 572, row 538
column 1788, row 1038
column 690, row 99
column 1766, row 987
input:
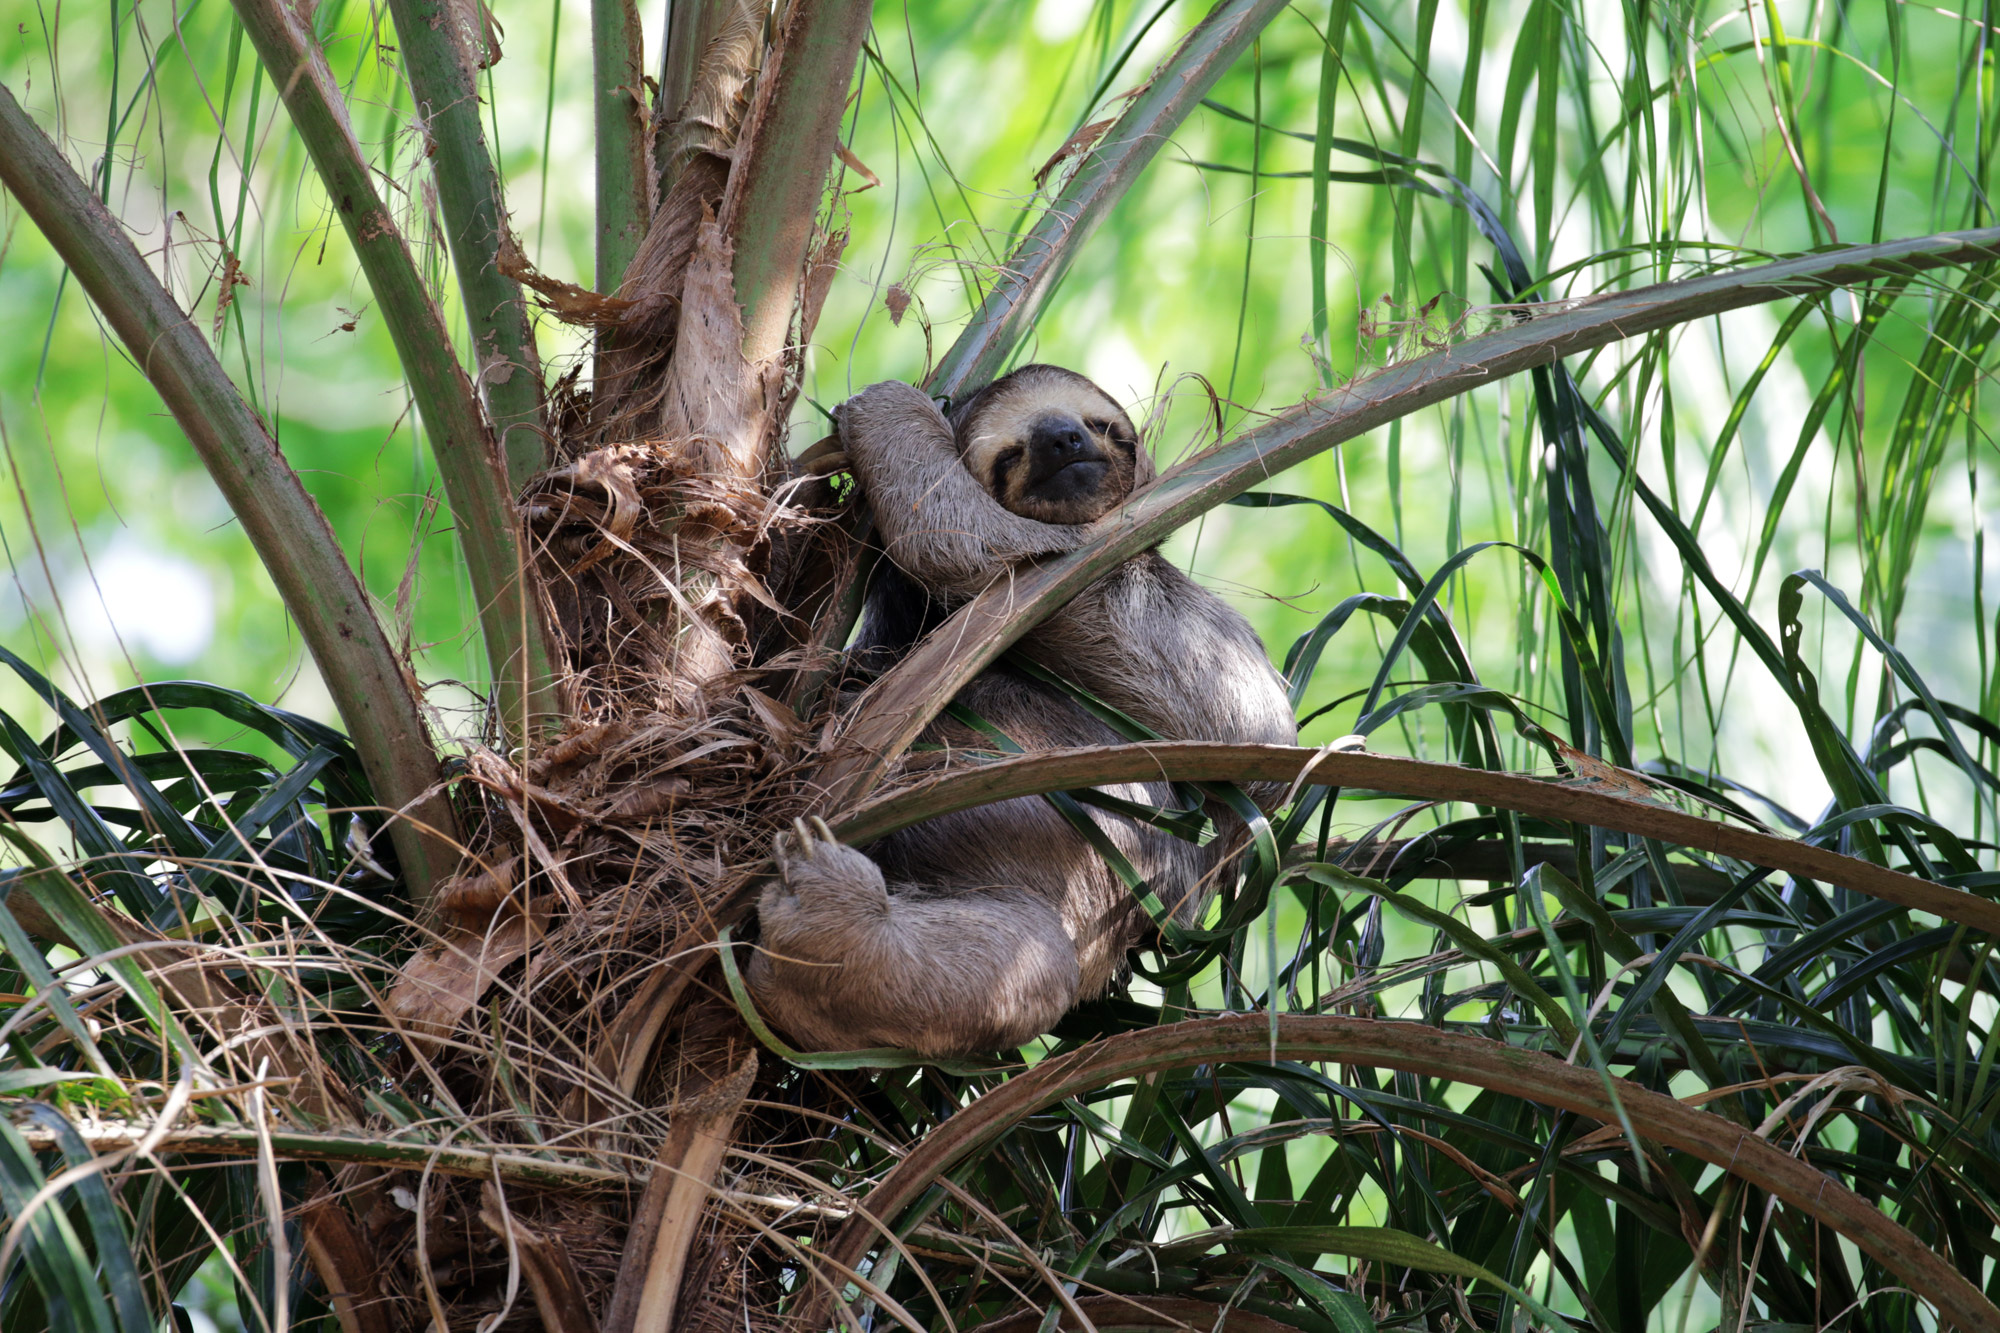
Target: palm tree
column 430, row 1031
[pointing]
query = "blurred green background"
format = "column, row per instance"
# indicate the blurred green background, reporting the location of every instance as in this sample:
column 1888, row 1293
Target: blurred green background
column 1619, row 146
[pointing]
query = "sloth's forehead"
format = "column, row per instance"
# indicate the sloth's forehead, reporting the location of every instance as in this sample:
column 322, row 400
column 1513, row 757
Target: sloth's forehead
column 1009, row 419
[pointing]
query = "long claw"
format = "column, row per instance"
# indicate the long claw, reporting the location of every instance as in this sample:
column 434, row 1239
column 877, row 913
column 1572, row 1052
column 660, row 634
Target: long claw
column 802, row 833
column 824, row 831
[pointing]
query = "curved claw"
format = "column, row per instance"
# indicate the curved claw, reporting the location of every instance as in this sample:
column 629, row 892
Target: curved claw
column 824, row 830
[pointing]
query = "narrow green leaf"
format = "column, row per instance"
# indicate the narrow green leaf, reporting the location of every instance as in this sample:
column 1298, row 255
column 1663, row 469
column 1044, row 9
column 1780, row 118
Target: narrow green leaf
column 107, row 1228
column 54, row 1253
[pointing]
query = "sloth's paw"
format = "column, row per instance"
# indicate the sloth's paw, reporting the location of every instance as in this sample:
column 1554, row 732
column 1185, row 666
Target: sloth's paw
column 818, row 869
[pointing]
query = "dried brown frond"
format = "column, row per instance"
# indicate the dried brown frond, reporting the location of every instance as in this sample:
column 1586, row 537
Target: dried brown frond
column 570, row 995
column 700, row 587
column 565, row 300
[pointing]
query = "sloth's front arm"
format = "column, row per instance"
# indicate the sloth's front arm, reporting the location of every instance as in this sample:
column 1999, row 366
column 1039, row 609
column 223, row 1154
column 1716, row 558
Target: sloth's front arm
column 938, row 523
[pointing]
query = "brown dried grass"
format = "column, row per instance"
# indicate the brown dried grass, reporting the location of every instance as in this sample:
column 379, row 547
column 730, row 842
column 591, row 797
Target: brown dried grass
column 569, row 997
column 695, row 581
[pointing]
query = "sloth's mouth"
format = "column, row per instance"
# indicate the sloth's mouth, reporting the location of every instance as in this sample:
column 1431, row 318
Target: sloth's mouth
column 1072, row 492
column 1072, row 478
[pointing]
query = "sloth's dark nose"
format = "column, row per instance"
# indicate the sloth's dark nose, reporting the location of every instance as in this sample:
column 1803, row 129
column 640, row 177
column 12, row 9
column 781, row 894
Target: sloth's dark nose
column 1062, row 439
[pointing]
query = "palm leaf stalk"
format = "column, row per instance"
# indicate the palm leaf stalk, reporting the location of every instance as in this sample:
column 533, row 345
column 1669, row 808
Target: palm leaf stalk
column 624, row 203
column 1571, row 800
column 772, row 204
column 474, row 471
column 438, row 60
column 369, row 685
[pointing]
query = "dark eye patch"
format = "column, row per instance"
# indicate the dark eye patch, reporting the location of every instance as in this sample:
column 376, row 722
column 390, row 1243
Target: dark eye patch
column 1114, row 432
column 1003, row 463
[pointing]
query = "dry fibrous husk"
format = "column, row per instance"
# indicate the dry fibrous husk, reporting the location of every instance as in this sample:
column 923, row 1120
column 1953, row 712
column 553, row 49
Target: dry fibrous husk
column 652, row 555
column 454, row 1242
column 572, row 996
column 475, row 37
column 570, row 1000
column 695, row 162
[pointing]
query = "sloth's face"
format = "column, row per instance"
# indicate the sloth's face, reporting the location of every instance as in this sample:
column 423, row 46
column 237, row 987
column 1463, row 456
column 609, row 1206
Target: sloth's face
column 1049, row 445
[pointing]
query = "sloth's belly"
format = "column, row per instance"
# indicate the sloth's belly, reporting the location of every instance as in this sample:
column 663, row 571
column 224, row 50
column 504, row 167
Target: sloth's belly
column 1027, row 843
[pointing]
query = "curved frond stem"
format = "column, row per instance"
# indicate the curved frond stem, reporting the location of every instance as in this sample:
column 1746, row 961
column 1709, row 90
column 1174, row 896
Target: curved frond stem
column 438, row 63
column 1108, row 171
column 475, row 477
column 907, row 697
column 1426, row 1051
column 375, row 695
column 1543, row 798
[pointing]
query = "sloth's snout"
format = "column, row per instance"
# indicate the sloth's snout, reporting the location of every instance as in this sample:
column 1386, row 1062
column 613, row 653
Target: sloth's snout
column 1059, row 441
column 1065, row 470
column 1065, row 439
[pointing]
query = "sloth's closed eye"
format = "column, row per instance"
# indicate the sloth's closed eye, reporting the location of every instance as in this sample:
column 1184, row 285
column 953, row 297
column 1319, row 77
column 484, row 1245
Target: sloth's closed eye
column 1004, row 461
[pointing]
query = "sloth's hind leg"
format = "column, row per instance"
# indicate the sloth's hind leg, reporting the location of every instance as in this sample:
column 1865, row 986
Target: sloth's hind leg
column 844, row 962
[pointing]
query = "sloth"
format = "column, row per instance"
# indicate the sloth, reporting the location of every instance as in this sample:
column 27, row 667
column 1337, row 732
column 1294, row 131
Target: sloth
column 978, row 930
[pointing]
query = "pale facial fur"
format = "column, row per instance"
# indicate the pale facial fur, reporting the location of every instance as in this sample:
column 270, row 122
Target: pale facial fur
column 1050, row 445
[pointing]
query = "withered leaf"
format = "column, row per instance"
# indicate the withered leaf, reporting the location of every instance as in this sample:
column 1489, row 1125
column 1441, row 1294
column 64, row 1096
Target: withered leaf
column 855, row 165
column 1077, row 145
column 439, row 986
column 567, row 301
